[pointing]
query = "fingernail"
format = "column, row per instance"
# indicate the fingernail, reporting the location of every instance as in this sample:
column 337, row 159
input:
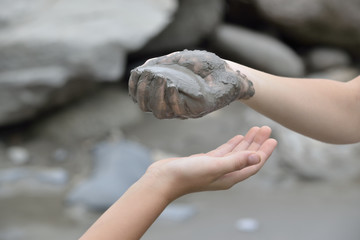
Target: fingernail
column 253, row 159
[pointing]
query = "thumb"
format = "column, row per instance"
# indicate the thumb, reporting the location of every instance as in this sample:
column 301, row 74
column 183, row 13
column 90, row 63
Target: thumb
column 253, row 159
column 239, row 160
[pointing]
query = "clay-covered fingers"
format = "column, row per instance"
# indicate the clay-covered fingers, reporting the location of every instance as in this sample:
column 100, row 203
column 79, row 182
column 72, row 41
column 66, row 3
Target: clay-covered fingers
column 133, row 83
column 176, row 102
column 188, row 84
column 142, row 93
column 158, row 103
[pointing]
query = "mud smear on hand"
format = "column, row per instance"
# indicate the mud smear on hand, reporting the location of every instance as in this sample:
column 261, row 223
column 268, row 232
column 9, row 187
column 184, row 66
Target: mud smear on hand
column 187, row 84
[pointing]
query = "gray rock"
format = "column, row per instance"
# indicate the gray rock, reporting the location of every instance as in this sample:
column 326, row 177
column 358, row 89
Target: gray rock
column 342, row 74
column 53, row 51
column 18, row 155
column 313, row 160
column 247, row 225
column 95, row 116
column 50, row 176
column 257, row 50
column 316, row 21
column 117, row 166
column 60, row 155
column 193, row 21
column 178, row 212
column 309, row 159
column 320, row 59
column 55, row 176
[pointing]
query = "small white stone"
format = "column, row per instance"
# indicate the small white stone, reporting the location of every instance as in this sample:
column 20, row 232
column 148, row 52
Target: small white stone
column 247, row 225
column 60, row 155
column 178, row 212
column 18, row 155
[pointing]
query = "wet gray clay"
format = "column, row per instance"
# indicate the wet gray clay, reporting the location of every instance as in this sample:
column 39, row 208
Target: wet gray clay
column 187, row 84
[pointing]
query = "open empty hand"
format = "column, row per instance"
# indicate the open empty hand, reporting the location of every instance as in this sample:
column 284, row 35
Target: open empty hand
column 232, row 162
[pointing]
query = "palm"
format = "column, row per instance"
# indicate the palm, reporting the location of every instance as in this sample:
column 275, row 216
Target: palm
column 220, row 168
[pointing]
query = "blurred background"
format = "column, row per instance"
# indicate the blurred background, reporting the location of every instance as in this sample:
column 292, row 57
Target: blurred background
column 72, row 141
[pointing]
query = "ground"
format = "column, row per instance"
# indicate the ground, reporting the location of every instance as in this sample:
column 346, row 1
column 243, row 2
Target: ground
column 284, row 207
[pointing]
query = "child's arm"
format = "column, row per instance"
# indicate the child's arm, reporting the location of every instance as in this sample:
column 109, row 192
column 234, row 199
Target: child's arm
column 168, row 179
column 323, row 109
column 190, row 84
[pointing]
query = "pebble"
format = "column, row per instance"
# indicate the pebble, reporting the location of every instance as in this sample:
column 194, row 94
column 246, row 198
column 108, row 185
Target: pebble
column 18, row 155
column 57, row 176
column 178, row 212
column 60, row 155
column 247, row 225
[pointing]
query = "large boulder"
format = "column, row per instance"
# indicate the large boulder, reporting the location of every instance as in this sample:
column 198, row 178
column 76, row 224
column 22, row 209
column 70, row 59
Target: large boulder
column 99, row 114
column 53, row 51
column 319, row 59
column 305, row 158
column 257, row 50
column 117, row 165
column 316, row 21
column 193, row 21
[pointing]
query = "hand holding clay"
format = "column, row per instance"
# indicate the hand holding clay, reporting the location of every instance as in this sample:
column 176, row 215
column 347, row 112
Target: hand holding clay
column 187, row 84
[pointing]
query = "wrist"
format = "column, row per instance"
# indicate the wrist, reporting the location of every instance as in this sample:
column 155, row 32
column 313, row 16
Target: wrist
column 160, row 186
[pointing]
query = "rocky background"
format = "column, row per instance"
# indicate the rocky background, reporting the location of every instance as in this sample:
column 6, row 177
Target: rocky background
column 72, row 141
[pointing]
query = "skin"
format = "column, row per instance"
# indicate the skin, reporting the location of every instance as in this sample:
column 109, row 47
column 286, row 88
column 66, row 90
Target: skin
column 322, row 109
column 220, row 169
column 187, row 84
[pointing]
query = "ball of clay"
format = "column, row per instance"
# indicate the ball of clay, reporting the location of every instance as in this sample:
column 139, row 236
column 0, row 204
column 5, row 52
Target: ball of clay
column 187, row 84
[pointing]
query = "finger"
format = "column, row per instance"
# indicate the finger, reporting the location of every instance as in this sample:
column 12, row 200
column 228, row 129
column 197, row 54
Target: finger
column 157, row 100
column 226, row 147
column 133, row 82
column 261, row 136
column 233, row 162
column 150, row 62
column 176, row 102
column 248, row 139
column 171, row 58
column 234, row 177
column 142, row 94
column 267, row 148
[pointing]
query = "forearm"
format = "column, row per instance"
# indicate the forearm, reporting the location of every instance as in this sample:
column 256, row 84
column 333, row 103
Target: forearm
column 167, row 179
column 132, row 214
column 326, row 110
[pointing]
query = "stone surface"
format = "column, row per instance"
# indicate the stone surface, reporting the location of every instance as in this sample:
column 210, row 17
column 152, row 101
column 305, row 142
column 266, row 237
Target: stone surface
column 313, row 160
column 107, row 110
column 178, row 212
column 117, row 165
column 319, row 59
column 309, row 159
column 316, row 21
column 32, row 180
column 18, row 155
column 247, row 225
column 342, row 74
column 46, row 61
column 257, row 50
column 193, row 21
